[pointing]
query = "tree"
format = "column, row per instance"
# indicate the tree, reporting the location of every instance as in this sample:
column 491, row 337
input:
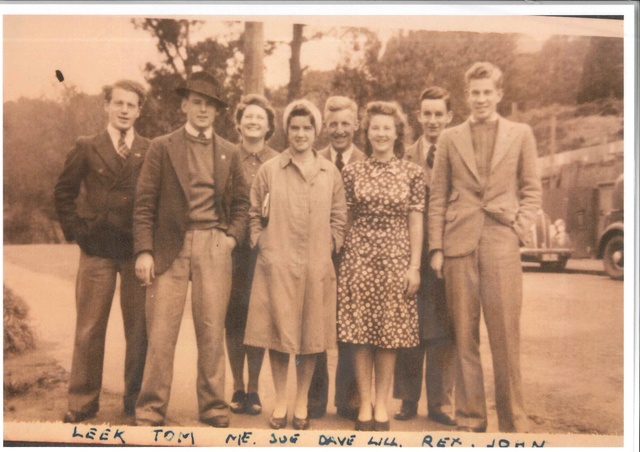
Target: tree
column 603, row 72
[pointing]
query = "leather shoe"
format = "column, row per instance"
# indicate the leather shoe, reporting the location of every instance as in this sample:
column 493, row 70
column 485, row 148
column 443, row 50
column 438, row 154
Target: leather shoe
column 277, row 423
column 348, row 413
column 365, row 426
column 442, row 418
column 73, row 417
column 238, row 402
column 253, row 405
column 382, row 426
column 301, row 424
column 221, row 421
column 466, row 428
column 145, row 423
column 408, row 410
column 316, row 412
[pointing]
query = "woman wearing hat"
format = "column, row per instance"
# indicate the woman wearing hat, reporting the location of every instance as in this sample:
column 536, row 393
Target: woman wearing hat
column 297, row 215
column 255, row 121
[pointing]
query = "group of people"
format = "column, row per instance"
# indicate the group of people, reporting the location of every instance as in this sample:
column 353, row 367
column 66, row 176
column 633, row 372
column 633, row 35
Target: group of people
column 388, row 253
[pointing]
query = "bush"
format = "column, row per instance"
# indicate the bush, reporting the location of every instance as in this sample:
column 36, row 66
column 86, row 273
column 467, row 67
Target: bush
column 18, row 335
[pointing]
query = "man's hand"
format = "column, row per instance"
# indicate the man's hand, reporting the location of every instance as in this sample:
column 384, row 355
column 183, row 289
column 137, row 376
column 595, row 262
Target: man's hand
column 232, row 242
column 145, row 271
column 437, row 258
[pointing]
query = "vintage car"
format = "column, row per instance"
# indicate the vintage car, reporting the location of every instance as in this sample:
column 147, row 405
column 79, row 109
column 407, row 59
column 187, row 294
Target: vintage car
column 550, row 244
column 611, row 243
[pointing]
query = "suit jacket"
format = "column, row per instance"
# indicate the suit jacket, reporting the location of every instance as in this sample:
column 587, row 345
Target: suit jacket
column 459, row 202
column 433, row 314
column 161, row 214
column 101, row 220
column 356, row 155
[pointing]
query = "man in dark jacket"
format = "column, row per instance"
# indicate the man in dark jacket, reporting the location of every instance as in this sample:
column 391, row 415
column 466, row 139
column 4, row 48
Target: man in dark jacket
column 100, row 221
column 191, row 210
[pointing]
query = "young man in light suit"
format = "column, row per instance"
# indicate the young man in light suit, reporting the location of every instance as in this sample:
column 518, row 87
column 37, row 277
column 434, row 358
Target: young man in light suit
column 436, row 337
column 341, row 123
column 100, row 221
column 190, row 212
column 485, row 193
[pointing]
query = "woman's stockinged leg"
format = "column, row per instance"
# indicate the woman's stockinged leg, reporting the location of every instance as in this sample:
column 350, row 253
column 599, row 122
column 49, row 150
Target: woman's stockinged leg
column 363, row 362
column 279, row 370
column 384, row 364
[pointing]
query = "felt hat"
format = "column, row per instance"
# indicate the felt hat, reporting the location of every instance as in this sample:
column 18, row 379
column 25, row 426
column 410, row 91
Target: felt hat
column 205, row 84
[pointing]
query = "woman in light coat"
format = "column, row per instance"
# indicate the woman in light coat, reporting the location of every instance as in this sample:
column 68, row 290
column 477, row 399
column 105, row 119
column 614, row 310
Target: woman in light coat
column 297, row 215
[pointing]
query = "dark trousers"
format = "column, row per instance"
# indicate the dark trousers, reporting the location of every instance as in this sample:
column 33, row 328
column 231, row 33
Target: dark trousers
column 95, row 288
column 439, row 376
column 346, row 395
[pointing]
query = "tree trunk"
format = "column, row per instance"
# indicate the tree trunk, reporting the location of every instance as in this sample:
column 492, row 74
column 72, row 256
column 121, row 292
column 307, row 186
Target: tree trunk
column 253, row 58
column 295, row 68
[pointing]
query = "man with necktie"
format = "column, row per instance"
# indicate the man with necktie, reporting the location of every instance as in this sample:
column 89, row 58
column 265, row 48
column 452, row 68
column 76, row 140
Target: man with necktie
column 436, row 338
column 341, row 123
column 100, row 221
column 191, row 210
column 485, row 194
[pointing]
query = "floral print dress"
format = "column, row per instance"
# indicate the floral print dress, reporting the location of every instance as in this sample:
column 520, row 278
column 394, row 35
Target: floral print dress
column 372, row 306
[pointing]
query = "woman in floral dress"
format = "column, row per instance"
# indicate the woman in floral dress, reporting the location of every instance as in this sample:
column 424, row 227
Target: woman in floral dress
column 379, row 273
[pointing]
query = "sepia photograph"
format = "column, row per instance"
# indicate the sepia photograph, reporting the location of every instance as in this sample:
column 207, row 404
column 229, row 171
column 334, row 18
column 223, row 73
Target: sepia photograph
column 319, row 224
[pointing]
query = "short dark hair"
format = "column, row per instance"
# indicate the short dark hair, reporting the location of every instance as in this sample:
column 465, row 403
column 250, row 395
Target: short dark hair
column 435, row 93
column 262, row 102
column 482, row 70
column 127, row 85
column 392, row 109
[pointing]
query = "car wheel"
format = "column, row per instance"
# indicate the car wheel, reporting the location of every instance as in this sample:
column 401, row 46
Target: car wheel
column 614, row 257
column 555, row 266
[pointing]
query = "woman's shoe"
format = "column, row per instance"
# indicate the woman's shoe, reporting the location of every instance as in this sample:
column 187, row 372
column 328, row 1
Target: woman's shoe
column 381, row 426
column 253, row 405
column 277, row 423
column 365, row 426
column 301, row 424
column 238, row 402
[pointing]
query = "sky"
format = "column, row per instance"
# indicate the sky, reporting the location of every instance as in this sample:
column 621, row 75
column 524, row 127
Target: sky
column 92, row 50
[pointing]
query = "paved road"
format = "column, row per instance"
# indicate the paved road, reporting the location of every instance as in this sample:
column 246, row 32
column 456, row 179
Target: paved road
column 572, row 329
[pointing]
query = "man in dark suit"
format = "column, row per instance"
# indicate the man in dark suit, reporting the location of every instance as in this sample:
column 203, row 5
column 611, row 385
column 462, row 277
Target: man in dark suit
column 100, row 221
column 436, row 338
column 190, row 212
column 341, row 123
column 485, row 194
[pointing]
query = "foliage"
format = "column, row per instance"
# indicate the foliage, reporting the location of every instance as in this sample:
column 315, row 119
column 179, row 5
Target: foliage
column 18, row 335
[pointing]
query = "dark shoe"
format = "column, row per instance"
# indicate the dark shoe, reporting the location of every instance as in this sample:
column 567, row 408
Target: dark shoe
column 441, row 418
column 466, row 428
column 301, row 424
column 316, row 412
column 348, row 413
column 238, row 402
column 365, row 426
column 221, row 421
column 277, row 423
column 146, row 423
column 408, row 410
column 73, row 417
column 253, row 405
column 381, row 426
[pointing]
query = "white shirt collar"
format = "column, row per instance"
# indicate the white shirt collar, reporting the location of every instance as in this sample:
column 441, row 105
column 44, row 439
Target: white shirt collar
column 346, row 155
column 114, row 134
column 494, row 117
column 194, row 132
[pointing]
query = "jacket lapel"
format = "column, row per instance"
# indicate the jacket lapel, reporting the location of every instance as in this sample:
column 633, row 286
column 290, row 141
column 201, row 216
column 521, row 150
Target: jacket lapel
column 136, row 157
column 221, row 162
column 503, row 139
column 464, row 144
column 104, row 148
column 177, row 150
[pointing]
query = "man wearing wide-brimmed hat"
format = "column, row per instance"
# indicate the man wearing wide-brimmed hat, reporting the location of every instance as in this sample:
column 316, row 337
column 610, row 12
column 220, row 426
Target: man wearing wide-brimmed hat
column 190, row 211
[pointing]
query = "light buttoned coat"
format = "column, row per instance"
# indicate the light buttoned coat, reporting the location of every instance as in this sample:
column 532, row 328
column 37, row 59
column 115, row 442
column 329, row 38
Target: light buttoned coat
column 295, row 224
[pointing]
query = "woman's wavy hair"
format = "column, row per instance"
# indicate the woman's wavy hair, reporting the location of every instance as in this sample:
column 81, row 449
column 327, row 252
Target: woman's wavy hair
column 262, row 102
column 392, row 109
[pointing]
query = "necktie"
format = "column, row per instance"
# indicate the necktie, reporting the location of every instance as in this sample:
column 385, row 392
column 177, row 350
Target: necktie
column 123, row 149
column 431, row 155
column 339, row 161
